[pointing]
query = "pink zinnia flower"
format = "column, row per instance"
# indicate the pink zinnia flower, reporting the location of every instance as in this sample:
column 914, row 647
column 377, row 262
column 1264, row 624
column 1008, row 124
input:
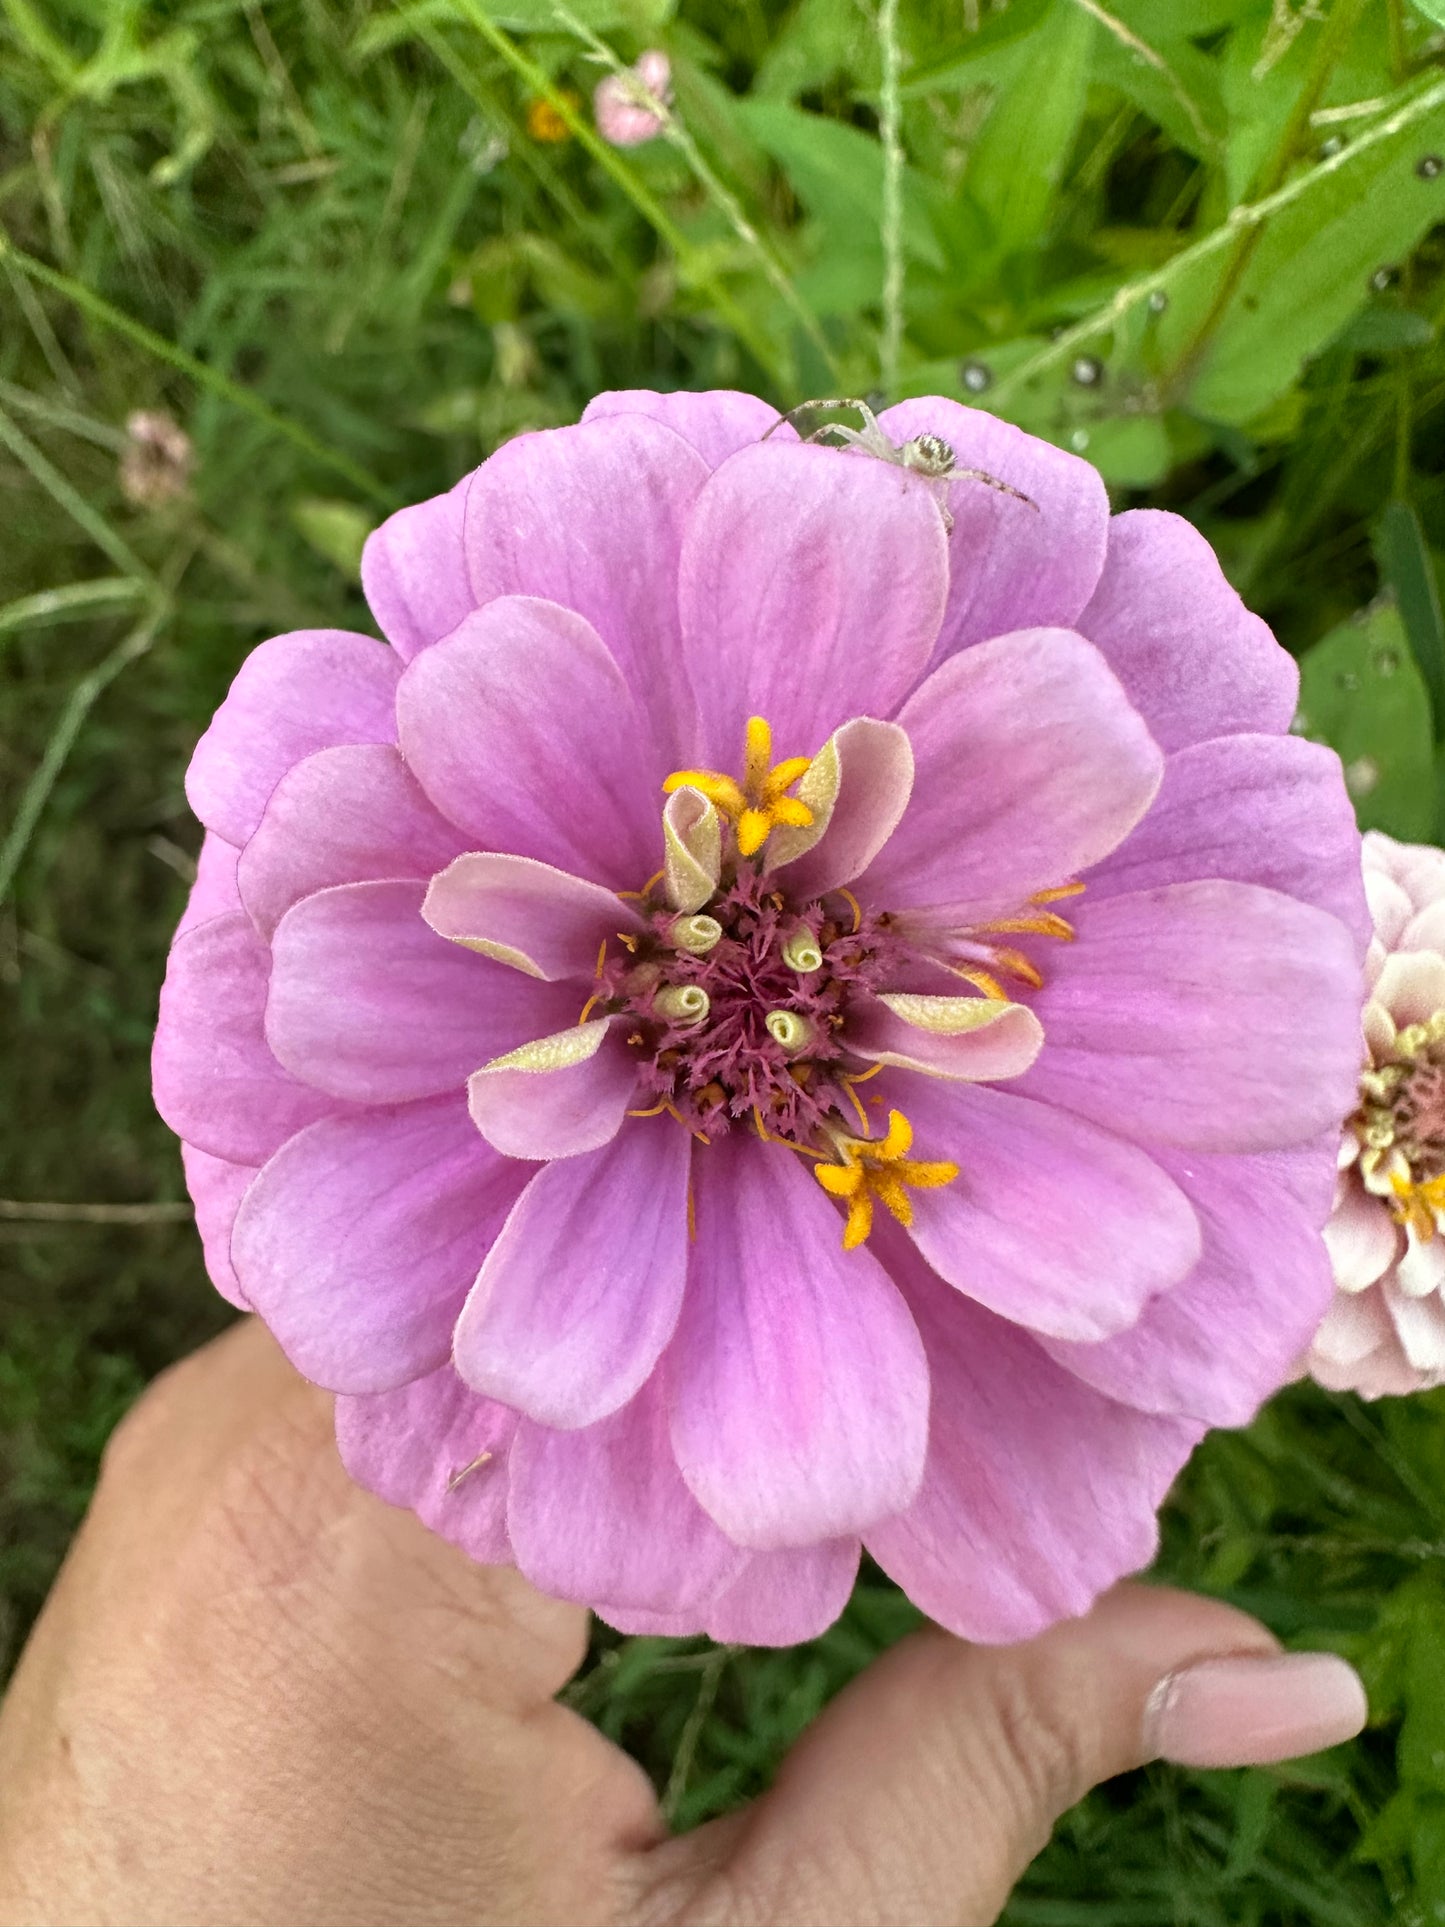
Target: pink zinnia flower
column 768, row 1016
column 1385, row 1331
column 631, row 108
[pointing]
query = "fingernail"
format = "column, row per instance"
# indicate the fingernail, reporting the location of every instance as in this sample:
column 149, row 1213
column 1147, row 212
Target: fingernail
column 1254, row 1710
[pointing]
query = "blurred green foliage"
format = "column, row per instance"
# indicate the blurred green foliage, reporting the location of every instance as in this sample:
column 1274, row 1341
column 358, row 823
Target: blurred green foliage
column 1198, row 241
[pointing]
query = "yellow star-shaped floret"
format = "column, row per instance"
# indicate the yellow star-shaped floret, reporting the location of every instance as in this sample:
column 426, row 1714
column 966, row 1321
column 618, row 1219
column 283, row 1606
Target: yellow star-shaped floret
column 880, row 1168
column 760, row 803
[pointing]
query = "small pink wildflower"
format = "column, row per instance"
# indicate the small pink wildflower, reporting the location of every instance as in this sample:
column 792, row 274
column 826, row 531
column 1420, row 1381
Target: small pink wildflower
column 1385, row 1331
column 631, row 108
column 769, row 1017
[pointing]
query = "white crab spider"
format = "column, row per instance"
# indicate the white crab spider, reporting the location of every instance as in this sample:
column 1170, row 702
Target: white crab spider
column 927, row 455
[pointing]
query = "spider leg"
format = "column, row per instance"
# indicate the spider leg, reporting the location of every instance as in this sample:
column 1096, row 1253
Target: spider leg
column 992, row 481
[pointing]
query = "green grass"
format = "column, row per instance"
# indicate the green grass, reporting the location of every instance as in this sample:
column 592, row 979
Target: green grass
column 318, row 232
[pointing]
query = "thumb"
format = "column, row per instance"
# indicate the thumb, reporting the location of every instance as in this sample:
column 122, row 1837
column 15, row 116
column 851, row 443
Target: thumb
column 929, row 1784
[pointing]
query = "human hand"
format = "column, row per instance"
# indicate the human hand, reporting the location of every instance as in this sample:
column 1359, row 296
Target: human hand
column 259, row 1696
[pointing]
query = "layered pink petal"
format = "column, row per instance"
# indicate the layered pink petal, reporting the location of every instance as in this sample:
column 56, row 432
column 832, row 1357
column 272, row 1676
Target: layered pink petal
column 370, row 1004
column 604, row 1514
column 798, row 1387
column 359, row 1241
column 539, row 920
column 557, row 1096
column 213, row 1077
column 521, row 730
column 1176, row 1017
column 414, row 572
column 1030, row 764
column 1362, row 1239
column 1194, row 660
column 776, row 1599
column 217, row 1188
column 592, row 517
column 348, row 815
column 1217, row 1344
column 438, row 1449
column 717, row 421
column 1011, row 566
column 1038, row 1493
column 873, row 770
column 1051, row 1222
column 811, row 588
column 296, row 694
column 1271, row 810
column 214, row 892
column 581, row 1290
column 927, row 1034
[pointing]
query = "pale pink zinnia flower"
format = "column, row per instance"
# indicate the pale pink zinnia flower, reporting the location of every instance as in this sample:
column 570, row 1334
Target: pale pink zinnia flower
column 1385, row 1331
column 631, row 108
column 778, row 1010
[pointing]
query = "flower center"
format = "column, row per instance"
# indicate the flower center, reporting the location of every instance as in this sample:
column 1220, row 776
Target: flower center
column 1401, row 1127
column 741, row 1011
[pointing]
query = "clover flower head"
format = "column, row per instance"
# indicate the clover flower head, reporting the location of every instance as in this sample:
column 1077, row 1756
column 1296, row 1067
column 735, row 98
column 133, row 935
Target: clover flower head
column 1385, row 1331
column 631, row 108
column 768, row 1019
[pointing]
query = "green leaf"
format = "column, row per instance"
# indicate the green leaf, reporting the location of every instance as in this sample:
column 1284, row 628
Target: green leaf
column 971, row 58
column 1312, row 269
column 334, row 529
column 1361, row 693
column 1433, row 10
column 1406, row 565
column 1170, row 81
column 1019, row 160
column 837, row 172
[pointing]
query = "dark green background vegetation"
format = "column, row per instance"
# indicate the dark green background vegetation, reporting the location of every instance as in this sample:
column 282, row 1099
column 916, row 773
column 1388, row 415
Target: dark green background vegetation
column 1197, row 240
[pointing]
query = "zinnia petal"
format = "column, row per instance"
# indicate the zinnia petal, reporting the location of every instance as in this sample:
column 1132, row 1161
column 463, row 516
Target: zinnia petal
column 348, row 815
column 1175, row 1016
column 581, row 1290
column 296, row 694
column 798, row 1387
column 811, row 587
column 217, row 1188
column 1051, row 1222
column 558, row 1095
column 1195, row 661
column 359, row 1241
column 1010, row 566
column 1271, row 810
column 369, row 1003
column 434, row 1446
column 604, row 1514
column 521, row 730
column 414, row 572
column 1038, row 1493
column 213, row 1076
column 1030, row 764
column 538, row 920
column 592, row 517
column 717, row 421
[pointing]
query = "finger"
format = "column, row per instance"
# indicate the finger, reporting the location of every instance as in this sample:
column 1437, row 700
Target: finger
column 259, row 1694
column 927, row 1787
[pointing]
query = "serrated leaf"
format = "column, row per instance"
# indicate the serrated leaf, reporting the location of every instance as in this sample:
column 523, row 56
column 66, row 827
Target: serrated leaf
column 1361, row 693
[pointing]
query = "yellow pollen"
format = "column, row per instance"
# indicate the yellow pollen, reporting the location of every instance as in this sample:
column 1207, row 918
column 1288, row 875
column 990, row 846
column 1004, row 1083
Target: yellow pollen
column 1418, row 1205
column 1055, row 895
column 759, row 804
column 880, row 1169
